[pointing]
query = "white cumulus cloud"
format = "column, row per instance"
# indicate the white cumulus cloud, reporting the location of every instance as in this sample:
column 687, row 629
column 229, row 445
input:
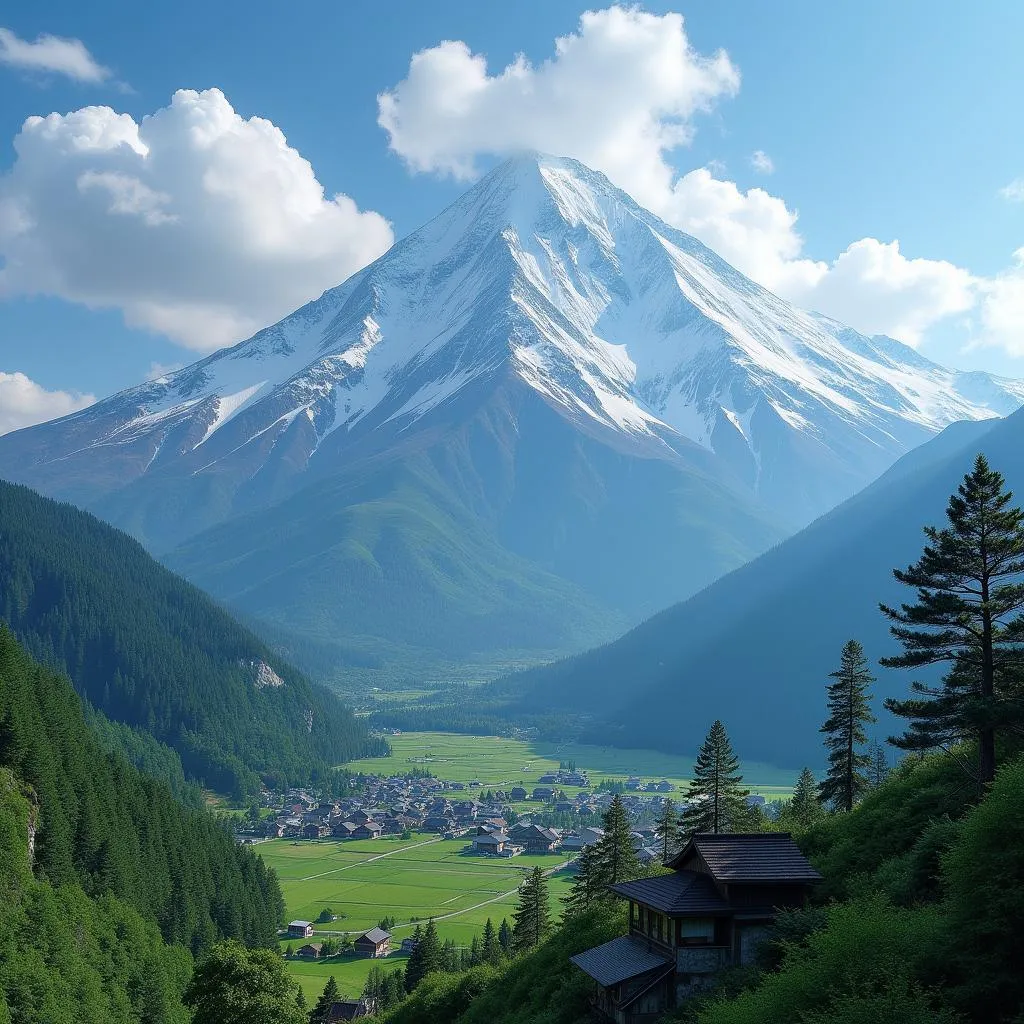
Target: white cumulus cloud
column 1002, row 309
column 195, row 222
column 762, row 162
column 620, row 94
column 53, row 55
column 24, row 402
column 617, row 94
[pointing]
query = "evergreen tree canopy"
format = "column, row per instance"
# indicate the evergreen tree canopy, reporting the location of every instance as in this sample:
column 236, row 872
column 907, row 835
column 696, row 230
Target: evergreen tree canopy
column 804, row 809
column 235, row 985
column 849, row 707
column 151, row 651
column 667, row 828
column 532, row 917
column 970, row 593
column 111, row 830
column 329, row 996
column 490, row 947
column 716, row 797
column 615, row 852
column 610, row 860
column 66, row 958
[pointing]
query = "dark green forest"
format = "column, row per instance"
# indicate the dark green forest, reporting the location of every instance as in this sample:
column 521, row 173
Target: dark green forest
column 149, row 650
column 109, row 830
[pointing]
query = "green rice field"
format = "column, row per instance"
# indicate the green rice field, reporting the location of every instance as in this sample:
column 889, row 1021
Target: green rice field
column 498, row 761
column 363, row 881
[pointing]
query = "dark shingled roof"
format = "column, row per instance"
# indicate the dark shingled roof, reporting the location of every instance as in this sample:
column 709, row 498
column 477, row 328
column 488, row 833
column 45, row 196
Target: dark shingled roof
column 618, row 960
column 376, row 935
column 750, row 857
column 682, row 892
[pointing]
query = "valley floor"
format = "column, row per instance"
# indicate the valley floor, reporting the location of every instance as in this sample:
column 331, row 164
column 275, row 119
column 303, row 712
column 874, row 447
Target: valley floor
column 500, row 761
column 411, row 880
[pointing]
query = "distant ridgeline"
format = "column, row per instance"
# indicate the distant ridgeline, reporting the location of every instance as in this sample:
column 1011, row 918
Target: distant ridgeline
column 99, row 866
column 151, row 651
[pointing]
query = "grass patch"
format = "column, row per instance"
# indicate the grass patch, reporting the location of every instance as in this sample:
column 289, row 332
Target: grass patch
column 501, row 762
column 363, row 881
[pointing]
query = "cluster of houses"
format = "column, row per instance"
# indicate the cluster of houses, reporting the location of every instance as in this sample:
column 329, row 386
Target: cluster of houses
column 389, row 806
column 374, row 944
column 394, row 805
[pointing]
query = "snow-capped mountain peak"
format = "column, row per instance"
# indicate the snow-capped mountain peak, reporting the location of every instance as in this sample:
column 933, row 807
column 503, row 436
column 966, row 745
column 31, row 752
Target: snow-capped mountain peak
column 544, row 274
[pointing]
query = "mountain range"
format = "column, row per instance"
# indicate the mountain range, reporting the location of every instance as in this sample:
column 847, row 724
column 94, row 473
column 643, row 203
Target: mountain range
column 174, row 681
column 539, row 418
column 756, row 647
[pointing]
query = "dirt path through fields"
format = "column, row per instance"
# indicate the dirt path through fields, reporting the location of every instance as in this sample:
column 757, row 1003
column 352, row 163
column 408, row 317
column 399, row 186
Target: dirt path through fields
column 370, row 860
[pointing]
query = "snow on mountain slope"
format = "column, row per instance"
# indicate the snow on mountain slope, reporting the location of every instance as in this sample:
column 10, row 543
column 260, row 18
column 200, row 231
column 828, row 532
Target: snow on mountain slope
column 543, row 272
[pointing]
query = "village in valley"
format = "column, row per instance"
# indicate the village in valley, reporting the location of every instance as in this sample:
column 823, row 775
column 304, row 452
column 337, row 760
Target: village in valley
column 449, row 837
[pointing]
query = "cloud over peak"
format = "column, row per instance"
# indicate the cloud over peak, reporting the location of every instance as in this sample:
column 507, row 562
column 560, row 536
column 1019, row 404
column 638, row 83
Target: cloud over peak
column 621, row 94
column 624, row 88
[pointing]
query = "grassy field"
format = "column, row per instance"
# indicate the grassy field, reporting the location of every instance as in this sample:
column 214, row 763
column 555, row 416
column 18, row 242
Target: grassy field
column 410, row 880
column 498, row 761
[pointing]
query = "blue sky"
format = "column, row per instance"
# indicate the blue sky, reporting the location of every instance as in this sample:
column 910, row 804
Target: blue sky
column 875, row 122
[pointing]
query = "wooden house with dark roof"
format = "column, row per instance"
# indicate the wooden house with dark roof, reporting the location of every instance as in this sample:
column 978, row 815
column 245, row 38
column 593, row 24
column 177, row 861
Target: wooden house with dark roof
column 712, row 911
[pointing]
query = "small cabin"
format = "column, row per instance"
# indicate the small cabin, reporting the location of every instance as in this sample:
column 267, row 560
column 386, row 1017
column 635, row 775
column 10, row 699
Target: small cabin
column 374, row 943
column 712, row 911
column 311, row 950
column 300, row 929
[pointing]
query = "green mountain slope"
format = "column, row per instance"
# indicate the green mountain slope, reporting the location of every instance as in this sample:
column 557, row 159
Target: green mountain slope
column 508, row 535
column 69, row 959
column 756, row 647
column 149, row 650
column 103, row 826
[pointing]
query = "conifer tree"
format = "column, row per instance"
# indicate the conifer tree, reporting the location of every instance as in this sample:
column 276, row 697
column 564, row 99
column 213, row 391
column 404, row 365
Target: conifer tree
column 587, row 886
column 322, row 1007
column 804, row 807
column 474, row 951
column 879, row 769
column 490, row 948
column 614, row 852
column 505, row 935
column 414, row 965
column 849, row 707
column 667, row 829
column 610, row 860
column 392, row 991
column 374, row 983
column 970, row 594
column 532, row 917
column 716, row 797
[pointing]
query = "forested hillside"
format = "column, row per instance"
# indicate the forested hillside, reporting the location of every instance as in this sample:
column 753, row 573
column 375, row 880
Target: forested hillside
column 104, row 827
column 149, row 650
column 68, row 959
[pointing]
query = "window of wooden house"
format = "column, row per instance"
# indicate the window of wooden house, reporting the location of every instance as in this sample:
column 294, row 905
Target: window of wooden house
column 695, row 931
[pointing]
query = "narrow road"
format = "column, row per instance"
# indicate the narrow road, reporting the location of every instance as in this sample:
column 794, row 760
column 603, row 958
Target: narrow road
column 370, row 860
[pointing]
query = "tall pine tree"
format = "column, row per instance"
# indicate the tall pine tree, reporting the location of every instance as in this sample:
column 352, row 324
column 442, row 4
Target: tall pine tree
column 716, row 798
column 611, row 859
column 804, row 808
column 329, row 996
column 970, row 594
column 532, row 917
column 849, row 710
column 490, row 947
column 667, row 829
column 615, row 852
